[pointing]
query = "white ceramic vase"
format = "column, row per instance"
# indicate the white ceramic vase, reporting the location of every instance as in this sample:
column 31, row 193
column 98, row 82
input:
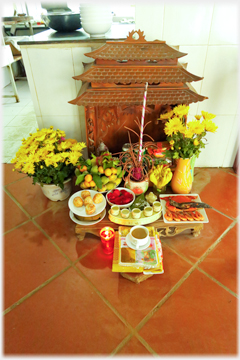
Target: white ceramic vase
column 55, row 193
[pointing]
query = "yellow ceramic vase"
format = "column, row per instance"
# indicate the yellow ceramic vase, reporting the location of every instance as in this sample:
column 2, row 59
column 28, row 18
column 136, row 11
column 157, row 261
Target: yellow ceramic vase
column 182, row 179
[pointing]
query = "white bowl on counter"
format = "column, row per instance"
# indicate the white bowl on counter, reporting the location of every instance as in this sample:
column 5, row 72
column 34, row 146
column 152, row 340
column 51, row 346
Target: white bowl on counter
column 96, row 29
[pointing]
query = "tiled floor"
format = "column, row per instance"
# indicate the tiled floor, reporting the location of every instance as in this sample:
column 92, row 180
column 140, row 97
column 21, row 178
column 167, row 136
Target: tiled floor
column 61, row 298
column 18, row 119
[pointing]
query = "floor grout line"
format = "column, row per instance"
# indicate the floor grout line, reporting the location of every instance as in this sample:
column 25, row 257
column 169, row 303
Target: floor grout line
column 16, row 227
column 52, row 242
column 218, row 282
column 17, row 202
column 183, row 279
column 115, row 311
column 13, row 182
column 121, row 345
column 144, row 343
column 20, row 301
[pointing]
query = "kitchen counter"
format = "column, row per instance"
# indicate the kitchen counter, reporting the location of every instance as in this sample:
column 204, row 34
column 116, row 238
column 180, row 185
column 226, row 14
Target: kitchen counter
column 117, row 32
column 51, row 59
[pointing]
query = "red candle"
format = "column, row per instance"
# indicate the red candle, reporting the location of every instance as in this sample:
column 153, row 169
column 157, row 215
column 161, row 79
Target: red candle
column 107, row 236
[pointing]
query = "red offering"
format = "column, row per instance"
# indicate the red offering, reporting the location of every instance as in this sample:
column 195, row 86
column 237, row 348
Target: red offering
column 120, row 197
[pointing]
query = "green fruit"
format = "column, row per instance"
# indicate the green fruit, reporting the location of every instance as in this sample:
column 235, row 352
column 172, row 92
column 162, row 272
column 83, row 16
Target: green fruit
column 77, row 172
column 102, row 189
column 104, row 179
column 94, row 169
column 119, row 169
column 110, row 186
column 94, row 188
column 94, row 161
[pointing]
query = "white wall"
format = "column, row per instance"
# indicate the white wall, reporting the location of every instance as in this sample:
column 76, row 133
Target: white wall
column 208, row 33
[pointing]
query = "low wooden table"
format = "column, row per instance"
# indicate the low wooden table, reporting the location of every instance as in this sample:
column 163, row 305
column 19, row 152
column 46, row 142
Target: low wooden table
column 164, row 230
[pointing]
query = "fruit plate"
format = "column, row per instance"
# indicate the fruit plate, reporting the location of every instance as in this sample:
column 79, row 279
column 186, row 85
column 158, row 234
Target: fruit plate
column 123, row 205
column 86, row 223
column 130, row 221
column 81, row 210
column 202, row 211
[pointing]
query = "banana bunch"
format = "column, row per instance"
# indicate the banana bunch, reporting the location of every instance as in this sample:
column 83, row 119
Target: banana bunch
column 160, row 175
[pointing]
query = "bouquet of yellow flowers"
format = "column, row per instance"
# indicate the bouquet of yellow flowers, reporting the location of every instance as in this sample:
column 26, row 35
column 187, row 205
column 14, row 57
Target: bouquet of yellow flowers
column 48, row 157
column 186, row 138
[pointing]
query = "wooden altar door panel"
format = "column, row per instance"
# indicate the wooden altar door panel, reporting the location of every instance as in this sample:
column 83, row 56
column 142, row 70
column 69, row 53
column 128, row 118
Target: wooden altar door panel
column 111, row 122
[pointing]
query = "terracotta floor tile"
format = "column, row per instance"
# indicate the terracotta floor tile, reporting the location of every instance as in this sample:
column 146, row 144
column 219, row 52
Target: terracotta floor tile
column 218, row 189
column 61, row 228
column 30, row 260
column 12, row 215
column 195, row 247
column 9, row 175
column 64, row 317
column 221, row 263
column 134, row 347
column 133, row 301
column 200, row 318
column 30, row 196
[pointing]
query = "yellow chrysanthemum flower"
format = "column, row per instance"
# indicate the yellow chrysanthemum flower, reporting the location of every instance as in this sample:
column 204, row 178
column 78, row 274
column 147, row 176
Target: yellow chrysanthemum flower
column 196, row 127
column 181, row 110
column 188, row 133
column 195, row 142
column 207, row 116
column 171, row 142
column 209, row 126
column 166, row 116
column 198, row 117
column 173, row 126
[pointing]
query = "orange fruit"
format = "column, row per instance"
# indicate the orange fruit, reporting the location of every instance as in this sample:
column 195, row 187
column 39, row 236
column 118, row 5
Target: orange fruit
column 92, row 183
column 88, row 178
column 82, row 168
column 87, row 184
column 100, row 170
column 108, row 172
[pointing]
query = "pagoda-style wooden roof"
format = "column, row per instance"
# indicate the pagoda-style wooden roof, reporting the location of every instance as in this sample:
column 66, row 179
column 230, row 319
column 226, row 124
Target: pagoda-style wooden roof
column 127, row 51
column 132, row 49
column 134, row 96
column 132, row 74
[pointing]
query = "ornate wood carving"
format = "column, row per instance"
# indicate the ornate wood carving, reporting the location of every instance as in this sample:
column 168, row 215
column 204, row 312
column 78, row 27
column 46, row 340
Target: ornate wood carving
column 91, row 128
column 164, row 230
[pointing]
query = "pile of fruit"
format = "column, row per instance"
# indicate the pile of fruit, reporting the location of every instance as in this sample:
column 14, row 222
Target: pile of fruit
column 100, row 173
column 120, row 197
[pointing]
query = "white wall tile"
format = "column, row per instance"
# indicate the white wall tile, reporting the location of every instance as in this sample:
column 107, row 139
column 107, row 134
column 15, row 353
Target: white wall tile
column 78, row 68
column 221, row 80
column 232, row 144
column 31, row 84
column 70, row 124
column 187, row 24
column 225, row 24
column 217, row 143
column 53, row 72
column 149, row 19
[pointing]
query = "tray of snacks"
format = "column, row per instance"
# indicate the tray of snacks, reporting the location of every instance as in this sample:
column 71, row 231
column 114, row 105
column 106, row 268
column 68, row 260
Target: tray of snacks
column 135, row 216
column 183, row 208
column 87, row 206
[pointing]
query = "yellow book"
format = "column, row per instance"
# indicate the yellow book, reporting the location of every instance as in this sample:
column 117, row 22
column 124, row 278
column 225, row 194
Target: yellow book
column 126, row 259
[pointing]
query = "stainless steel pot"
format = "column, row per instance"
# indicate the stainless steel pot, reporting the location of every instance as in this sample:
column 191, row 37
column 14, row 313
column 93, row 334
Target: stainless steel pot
column 62, row 22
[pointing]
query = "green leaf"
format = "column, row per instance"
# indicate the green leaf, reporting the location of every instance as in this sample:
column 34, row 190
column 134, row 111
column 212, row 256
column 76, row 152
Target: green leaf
column 98, row 181
column 80, row 179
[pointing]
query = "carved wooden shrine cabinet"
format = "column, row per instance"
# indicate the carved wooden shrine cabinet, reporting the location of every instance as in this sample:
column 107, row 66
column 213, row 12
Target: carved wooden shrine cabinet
column 113, row 88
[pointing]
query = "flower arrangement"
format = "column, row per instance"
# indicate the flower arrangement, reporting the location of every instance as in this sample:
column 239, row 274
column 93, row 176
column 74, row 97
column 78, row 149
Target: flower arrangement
column 186, row 138
column 48, row 157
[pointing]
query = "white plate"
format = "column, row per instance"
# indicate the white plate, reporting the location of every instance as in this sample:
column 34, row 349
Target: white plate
column 202, row 211
column 81, row 211
column 85, row 223
column 132, row 246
